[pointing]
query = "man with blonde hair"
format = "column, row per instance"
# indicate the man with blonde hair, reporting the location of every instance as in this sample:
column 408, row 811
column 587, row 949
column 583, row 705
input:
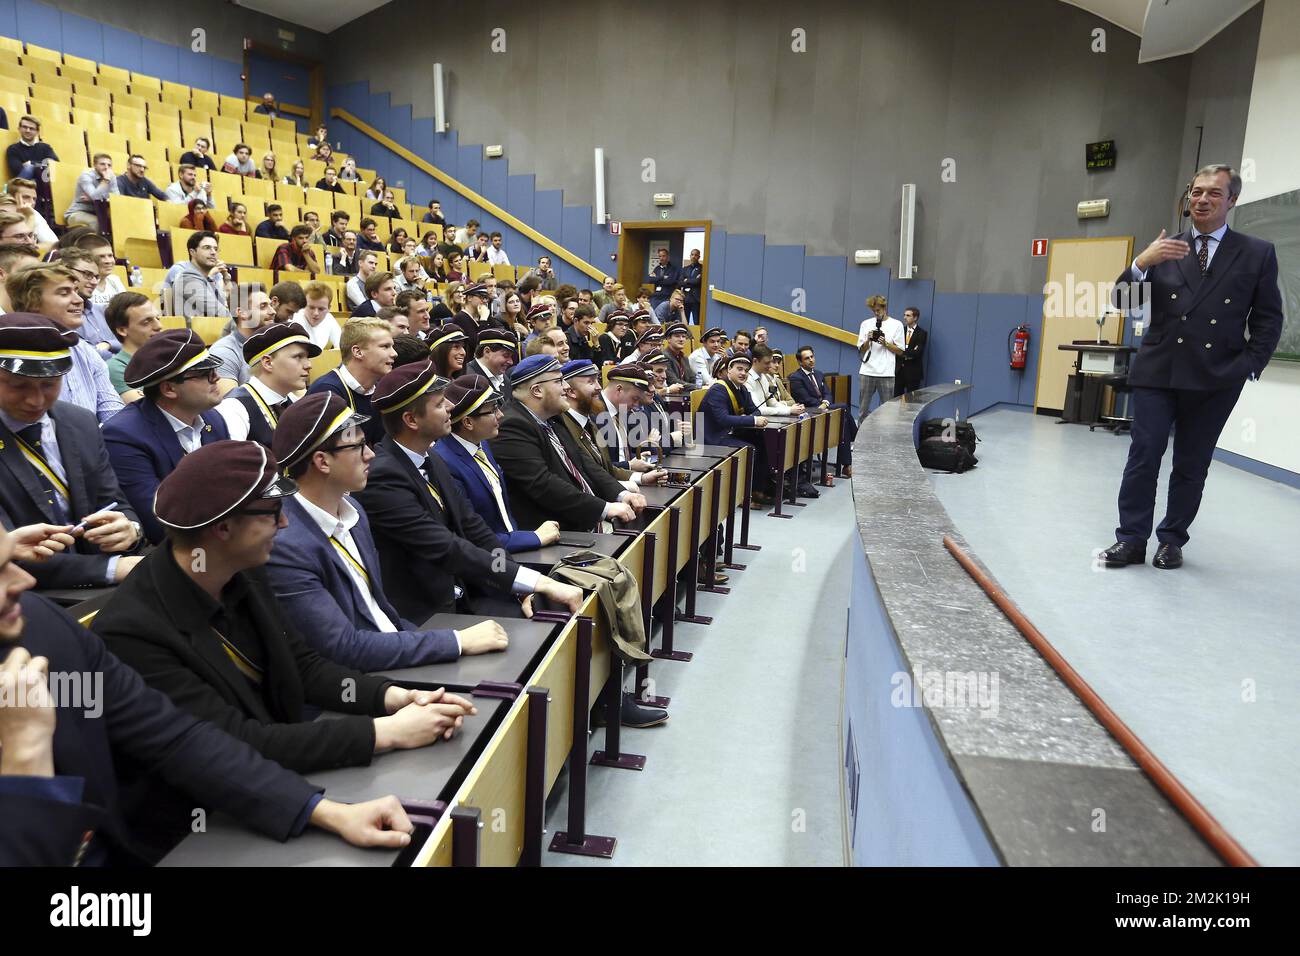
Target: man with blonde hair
column 368, row 355
column 322, row 328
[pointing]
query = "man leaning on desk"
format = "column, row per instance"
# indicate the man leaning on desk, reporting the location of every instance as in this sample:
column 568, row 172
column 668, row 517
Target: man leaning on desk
column 1209, row 285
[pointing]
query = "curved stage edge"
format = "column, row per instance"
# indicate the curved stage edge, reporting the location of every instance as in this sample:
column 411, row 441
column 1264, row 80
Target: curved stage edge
column 962, row 747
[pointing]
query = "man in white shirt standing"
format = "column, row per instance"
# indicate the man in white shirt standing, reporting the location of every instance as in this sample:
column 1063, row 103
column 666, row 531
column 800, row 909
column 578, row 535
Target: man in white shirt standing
column 880, row 342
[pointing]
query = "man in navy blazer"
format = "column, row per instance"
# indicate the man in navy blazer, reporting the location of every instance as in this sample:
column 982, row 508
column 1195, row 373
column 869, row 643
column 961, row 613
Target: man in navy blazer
column 475, row 407
column 147, row 439
column 324, row 567
column 54, row 468
column 59, row 795
column 808, row 387
column 727, row 406
column 1208, row 287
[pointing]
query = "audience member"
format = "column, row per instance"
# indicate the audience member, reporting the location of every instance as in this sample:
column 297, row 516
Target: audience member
column 253, row 311
column 279, row 363
column 910, row 367
column 198, row 155
column 202, row 285
column 240, row 161
column 236, row 223
column 367, row 348
column 133, row 319
column 24, row 193
column 296, row 255
column 94, row 185
column 322, row 328
column 381, row 291
column 272, row 227
column 664, row 277
column 198, row 217
column 809, row 387
column 135, row 183
column 27, row 157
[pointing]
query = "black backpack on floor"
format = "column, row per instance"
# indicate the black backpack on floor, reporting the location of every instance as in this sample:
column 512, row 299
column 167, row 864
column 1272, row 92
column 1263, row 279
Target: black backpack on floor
column 947, row 445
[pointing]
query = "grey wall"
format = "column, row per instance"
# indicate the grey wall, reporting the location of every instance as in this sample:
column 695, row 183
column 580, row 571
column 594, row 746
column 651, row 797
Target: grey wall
column 169, row 21
column 813, row 148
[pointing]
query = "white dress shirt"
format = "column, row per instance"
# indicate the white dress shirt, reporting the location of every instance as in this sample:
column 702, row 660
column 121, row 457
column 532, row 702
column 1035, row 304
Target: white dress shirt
column 1216, row 237
column 494, row 480
column 189, row 435
column 525, row 578
column 702, row 365
column 880, row 362
column 497, row 257
column 758, row 391
column 631, row 486
column 340, row 529
column 348, row 379
column 323, row 336
column 236, row 415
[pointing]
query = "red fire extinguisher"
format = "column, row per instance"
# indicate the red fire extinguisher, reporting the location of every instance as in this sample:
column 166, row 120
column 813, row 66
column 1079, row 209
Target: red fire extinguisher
column 1019, row 342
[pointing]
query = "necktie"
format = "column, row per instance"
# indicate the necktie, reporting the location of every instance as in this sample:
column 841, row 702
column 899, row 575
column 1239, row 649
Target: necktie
column 427, row 468
column 590, row 431
column 45, row 476
column 574, row 473
column 1204, row 254
column 494, row 480
column 812, row 377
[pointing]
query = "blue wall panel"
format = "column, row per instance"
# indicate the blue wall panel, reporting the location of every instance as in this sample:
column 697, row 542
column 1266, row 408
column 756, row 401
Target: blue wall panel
column 548, row 212
column 160, row 59
column 992, row 379
column 82, row 37
column 952, row 337
column 288, row 81
column 918, row 293
column 782, row 274
column 8, row 18
column 226, row 78
column 859, row 283
column 194, row 69
column 743, row 274
column 823, row 284
column 496, row 173
column 575, row 235
column 399, row 125
column 39, row 24
column 603, row 246
column 469, row 170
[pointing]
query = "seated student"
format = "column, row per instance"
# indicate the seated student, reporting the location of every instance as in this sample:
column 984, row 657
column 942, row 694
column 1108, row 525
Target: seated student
column 776, row 376
column 579, row 334
column 411, row 275
column 267, row 105
column 324, row 568
column 447, row 350
column 552, row 342
column 809, row 387
column 355, row 290
column 409, row 348
column 414, row 304
column 133, row 319
column 52, row 458
column 367, row 349
column 135, row 183
column 94, row 329
column 146, row 440
column 241, row 161
column 198, row 216
column 255, row 313
column 339, row 220
column 475, row 409
column 434, row 214
column 94, row 185
column 348, row 171
column 330, row 181
column 703, row 359
column 763, row 392
column 200, row 286
column 207, row 632
column 236, row 223
column 650, row 339
column 14, row 256
column 436, row 553
column 198, row 156
column 368, row 237
column 322, row 328
column 297, row 255
column 627, row 387
column 541, row 462
column 726, row 407
column 381, row 292
column 587, row 404
column 495, row 352
column 53, row 291
column 60, row 802
column 187, row 186
column 474, row 312
column 23, row 192
column 279, row 362
column 616, row 342
column 29, row 154
column 272, row 227
column 651, row 421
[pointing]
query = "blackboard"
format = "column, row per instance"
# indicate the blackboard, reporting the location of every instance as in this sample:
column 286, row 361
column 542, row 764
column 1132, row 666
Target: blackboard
column 1277, row 219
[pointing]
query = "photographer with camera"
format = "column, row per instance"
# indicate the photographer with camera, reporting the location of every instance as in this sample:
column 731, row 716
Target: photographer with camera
column 880, row 341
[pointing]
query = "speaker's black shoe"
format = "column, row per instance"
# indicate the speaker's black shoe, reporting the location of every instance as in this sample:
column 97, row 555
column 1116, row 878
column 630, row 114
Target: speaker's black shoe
column 806, row 490
column 1123, row 553
column 1168, row 557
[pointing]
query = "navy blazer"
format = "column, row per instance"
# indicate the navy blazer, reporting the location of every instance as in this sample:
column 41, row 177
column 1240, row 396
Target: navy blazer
column 330, row 382
column 719, row 420
column 1197, row 334
column 320, row 596
column 425, row 550
column 471, row 482
column 42, row 821
column 801, row 389
column 92, row 484
column 144, row 450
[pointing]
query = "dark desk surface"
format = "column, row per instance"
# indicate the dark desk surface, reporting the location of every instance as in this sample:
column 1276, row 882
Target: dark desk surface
column 411, row 774
column 543, row 559
column 703, row 451
column 1086, row 346
column 512, row 664
column 660, row 497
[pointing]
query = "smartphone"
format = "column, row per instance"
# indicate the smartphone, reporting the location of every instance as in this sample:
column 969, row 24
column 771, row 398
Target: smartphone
column 575, row 544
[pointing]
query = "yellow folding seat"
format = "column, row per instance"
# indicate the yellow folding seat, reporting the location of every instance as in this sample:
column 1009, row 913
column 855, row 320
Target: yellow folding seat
column 259, row 119
column 259, row 189
column 135, row 234
column 164, row 129
column 114, row 74
column 230, row 106
column 208, row 327
column 15, row 104
column 235, row 250
column 63, row 185
column 11, row 47
column 41, row 53
column 477, row 270
column 192, row 127
column 179, row 98
column 255, row 136
column 133, row 126
column 203, row 100
column 102, row 141
column 169, row 215
column 179, row 237
column 283, row 122
column 91, row 119
column 385, row 229
column 153, row 278
column 80, row 63
column 264, row 250
column 399, row 195
column 15, row 77
column 78, row 76
column 142, row 81
column 69, row 144
column 227, row 184
column 87, row 94
column 504, row 272
column 353, row 205
column 175, row 89
column 147, row 93
column 284, row 148
column 253, row 276
column 289, row 193
column 155, row 155
column 125, row 101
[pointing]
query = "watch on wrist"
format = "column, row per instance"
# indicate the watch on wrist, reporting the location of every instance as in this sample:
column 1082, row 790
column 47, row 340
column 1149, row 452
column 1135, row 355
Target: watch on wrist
column 139, row 532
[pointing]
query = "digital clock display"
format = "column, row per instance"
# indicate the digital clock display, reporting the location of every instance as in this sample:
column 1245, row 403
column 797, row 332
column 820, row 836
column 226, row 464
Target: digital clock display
column 1101, row 155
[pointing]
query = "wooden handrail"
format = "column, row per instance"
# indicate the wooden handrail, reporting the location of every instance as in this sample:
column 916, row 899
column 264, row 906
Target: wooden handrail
column 781, row 315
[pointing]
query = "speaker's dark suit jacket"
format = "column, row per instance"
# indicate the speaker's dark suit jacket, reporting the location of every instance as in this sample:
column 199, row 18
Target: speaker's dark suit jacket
column 144, row 450
column 43, row 821
column 541, row 487
column 1197, row 334
column 92, row 484
column 426, row 549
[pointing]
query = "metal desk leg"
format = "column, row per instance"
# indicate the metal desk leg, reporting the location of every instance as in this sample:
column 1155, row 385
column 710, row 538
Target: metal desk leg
column 668, row 603
column 465, row 824
column 780, row 485
column 535, row 777
column 744, row 545
column 575, row 839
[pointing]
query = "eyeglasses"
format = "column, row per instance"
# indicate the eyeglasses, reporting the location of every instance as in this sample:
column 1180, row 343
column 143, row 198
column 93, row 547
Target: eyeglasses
column 22, row 238
column 87, row 274
column 277, row 506
column 210, row 374
column 336, row 449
